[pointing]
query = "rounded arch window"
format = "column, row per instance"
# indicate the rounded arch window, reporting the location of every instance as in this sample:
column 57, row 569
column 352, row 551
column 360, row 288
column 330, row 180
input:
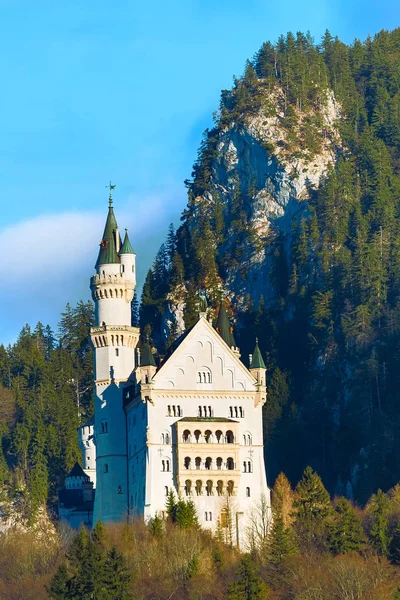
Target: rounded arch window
column 220, row 488
column 186, row 436
column 219, row 436
column 230, row 465
column 219, row 463
column 197, row 462
column 209, row 487
column 188, row 487
column 187, row 462
column 230, row 488
column 208, row 463
column 198, row 487
column 197, row 435
column 208, row 436
column 229, row 437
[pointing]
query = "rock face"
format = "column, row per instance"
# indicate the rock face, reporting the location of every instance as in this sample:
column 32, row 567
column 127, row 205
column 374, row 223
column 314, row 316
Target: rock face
column 275, row 168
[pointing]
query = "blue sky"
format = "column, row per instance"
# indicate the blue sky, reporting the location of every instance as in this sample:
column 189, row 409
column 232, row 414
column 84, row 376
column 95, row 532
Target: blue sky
column 93, row 91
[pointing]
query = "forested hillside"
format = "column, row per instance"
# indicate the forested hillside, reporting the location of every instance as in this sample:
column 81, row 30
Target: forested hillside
column 293, row 209
column 45, row 392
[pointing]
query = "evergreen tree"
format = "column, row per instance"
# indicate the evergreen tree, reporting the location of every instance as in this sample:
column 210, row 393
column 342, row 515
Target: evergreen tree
column 247, row 585
column 379, row 532
column 346, row 532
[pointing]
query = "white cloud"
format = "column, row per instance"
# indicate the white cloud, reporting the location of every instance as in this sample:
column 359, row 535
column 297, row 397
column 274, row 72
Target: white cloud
column 47, row 261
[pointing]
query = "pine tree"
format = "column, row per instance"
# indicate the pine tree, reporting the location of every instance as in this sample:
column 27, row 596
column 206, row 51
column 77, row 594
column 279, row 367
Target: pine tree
column 247, row 585
column 116, row 577
column 379, row 532
column 59, row 587
column 346, row 532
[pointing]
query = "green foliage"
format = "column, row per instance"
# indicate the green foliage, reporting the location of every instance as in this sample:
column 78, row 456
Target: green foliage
column 312, row 501
column 379, row 534
column 345, row 533
column 248, row 585
column 181, row 512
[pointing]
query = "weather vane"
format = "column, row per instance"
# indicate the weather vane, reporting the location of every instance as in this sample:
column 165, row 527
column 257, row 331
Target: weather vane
column 111, row 187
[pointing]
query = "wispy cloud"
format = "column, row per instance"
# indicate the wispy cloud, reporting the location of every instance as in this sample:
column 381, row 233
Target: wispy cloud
column 47, row 261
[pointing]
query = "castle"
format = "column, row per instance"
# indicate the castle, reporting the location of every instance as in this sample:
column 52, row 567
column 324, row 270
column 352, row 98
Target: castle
column 192, row 424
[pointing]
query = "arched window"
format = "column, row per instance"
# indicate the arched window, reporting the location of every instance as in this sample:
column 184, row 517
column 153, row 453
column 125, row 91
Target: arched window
column 163, row 438
column 249, row 441
column 218, row 435
column 230, row 411
column 104, row 427
column 167, row 438
column 198, row 487
column 220, row 488
column 167, row 465
column 247, row 492
column 169, row 411
column 199, row 378
column 209, row 486
column 206, row 515
column 210, row 411
column 244, row 466
column 200, row 411
column 236, row 411
column 116, row 352
column 230, row 488
column 249, row 466
column 119, row 489
column 197, row 435
column 197, row 462
column 166, row 491
column 163, row 465
column 205, row 410
column 208, row 436
column 241, row 411
column 187, row 462
column 219, row 463
column 244, row 440
column 208, row 463
column 230, row 465
column 174, row 411
column 229, row 437
column 178, row 411
column 188, row 487
column 186, row 436
column 105, row 469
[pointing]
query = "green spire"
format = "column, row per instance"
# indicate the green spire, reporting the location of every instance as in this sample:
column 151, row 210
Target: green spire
column 147, row 357
column 223, row 326
column 108, row 251
column 257, row 361
column 126, row 247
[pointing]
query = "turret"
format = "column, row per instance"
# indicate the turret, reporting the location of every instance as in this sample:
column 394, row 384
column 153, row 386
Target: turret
column 128, row 259
column 224, row 328
column 259, row 372
column 148, row 365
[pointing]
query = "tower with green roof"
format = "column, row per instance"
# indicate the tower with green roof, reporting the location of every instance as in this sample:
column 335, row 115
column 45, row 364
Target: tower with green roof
column 114, row 342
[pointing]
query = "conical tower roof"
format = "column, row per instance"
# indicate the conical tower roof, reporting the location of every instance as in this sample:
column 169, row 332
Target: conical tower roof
column 147, row 357
column 223, row 326
column 126, row 247
column 257, row 361
column 108, row 248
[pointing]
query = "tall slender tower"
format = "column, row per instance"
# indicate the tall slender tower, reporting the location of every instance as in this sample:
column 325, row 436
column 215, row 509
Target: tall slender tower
column 114, row 341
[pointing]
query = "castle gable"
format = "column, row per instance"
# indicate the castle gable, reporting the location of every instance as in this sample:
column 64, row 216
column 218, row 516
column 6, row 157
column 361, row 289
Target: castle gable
column 203, row 362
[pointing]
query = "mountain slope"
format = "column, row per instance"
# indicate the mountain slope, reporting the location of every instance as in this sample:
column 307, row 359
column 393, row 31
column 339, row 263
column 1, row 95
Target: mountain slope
column 293, row 209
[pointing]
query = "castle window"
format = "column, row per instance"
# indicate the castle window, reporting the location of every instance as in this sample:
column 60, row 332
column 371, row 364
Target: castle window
column 230, row 488
column 210, row 516
column 244, row 467
column 179, row 411
column 230, row 411
column 200, row 411
column 197, row 435
column 104, row 427
column 174, row 411
column 198, row 487
column 219, row 463
column 209, row 486
column 163, row 465
column 167, row 465
column 168, row 411
column 220, row 488
column 119, row 489
column 131, row 501
column 187, row 462
column 206, row 516
column 210, row 411
column 186, row 436
column 166, row 492
column 105, row 468
column 208, row 436
column 236, row 411
column 229, row 437
column 249, row 466
column 197, row 462
column 218, row 435
column 208, row 463
column 188, row 487
column 230, row 465
column 247, row 492
column 241, row 413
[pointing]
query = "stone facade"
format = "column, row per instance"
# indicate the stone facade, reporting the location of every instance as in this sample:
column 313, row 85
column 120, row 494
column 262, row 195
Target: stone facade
column 193, row 424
